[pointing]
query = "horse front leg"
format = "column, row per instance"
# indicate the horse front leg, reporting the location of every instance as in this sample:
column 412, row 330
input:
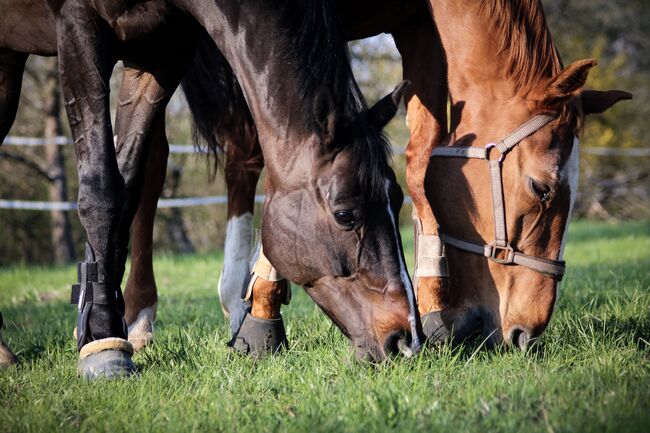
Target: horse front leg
column 251, row 295
column 85, row 64
column 424, row 65
column 244, row 163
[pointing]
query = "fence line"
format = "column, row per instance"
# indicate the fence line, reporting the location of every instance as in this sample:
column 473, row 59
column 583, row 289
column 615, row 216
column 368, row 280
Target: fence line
column 189, row 148
column 220, row 199
column 163, row 203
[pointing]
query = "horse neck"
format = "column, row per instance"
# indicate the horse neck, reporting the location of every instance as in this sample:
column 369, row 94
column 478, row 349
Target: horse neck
column 485, row 102
column 247, row 35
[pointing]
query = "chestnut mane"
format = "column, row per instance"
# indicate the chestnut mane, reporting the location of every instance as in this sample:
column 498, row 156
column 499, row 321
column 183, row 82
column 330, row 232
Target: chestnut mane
column 526, row 41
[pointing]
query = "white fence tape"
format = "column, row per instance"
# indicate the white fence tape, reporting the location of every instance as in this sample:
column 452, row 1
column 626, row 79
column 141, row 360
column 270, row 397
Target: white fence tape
column 220, row 199
column 188, row 148
column 162, row 203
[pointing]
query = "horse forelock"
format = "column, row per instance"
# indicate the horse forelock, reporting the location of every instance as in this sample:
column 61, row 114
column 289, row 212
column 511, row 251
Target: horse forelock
column 373, row 152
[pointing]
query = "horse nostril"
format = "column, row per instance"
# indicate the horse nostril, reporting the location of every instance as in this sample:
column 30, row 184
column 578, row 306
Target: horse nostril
column 392, row 342
column 519, row 338
column 398, row 342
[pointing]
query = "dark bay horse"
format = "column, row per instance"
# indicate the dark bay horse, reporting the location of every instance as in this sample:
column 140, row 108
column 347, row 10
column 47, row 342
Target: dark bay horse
column 416, row 37
column 329, row 181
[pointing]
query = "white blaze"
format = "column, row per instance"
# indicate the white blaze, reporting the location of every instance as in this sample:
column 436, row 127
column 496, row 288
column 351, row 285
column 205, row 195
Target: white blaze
column 571, row 172
column 406, row 280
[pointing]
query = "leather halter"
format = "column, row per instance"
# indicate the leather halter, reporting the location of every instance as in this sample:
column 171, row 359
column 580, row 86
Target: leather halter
column 500, row 251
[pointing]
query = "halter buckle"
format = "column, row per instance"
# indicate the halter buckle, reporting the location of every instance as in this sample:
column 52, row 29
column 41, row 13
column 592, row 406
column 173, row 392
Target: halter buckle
column 489, row 147
column 507, row 251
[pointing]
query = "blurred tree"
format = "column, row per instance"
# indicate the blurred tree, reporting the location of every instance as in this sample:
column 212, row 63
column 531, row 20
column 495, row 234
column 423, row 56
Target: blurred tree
column 45, row 102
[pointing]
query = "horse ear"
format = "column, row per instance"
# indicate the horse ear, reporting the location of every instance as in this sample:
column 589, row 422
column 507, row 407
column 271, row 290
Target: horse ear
column 568, row 82
column 596, row 101
column 325, row 114
column 384, row 110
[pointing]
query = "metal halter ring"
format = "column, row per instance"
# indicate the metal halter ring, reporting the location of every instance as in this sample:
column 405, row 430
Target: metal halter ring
column 509, row 254
column 489, row 147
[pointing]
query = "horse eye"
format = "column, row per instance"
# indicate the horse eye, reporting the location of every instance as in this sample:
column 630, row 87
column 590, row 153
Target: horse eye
column 541, row 190
column 344, row 217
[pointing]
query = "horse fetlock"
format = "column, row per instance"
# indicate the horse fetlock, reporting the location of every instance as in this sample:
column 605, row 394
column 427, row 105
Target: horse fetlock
column 259, row 337
column 267, row 298
column 267, row 290
column 432, row 294
column 141, row 329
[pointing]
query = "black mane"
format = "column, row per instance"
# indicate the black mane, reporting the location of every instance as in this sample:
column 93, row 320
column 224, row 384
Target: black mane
column 317, row 50
column 316, row 45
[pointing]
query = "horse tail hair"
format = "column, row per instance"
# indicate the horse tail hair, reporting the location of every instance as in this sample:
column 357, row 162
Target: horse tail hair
column 221, row 118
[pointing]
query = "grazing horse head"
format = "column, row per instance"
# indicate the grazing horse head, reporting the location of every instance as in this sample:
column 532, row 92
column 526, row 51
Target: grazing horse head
column 503, row 184
column 333, row 228
column 332, row 202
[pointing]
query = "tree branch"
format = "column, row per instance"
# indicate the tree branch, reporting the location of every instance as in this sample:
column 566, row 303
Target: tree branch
column 35, row 165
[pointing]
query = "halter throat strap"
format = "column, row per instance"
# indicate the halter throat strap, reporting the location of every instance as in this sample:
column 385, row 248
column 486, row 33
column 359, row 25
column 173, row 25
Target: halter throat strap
column 500, row 251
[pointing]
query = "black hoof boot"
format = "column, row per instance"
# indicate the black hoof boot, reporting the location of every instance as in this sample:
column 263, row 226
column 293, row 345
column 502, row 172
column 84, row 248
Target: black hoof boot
column 434, row 328
column 259, row 337
column 108, row 364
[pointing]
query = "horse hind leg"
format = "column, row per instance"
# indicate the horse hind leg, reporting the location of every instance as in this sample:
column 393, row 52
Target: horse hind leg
column 142, row 151
column 141, row 292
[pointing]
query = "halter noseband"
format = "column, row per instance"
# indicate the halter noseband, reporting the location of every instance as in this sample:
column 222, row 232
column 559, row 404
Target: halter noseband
column 500, row 251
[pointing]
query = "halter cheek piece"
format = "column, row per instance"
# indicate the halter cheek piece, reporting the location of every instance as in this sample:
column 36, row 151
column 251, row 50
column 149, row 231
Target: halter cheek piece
column 500, row 251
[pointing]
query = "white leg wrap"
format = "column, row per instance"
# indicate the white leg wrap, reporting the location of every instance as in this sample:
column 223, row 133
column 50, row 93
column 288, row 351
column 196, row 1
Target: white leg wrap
column 430, row 258
column 262, row 268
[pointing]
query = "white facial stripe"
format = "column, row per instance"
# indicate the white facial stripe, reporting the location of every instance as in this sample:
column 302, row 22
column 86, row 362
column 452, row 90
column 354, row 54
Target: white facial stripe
column 237, row 250
column 406, row 280
column 571, row 172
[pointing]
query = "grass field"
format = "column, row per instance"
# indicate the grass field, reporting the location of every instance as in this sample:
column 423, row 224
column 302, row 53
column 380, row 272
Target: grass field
column 592, row 373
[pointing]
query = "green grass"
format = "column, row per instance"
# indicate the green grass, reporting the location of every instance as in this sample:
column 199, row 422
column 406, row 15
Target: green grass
column 592, row 373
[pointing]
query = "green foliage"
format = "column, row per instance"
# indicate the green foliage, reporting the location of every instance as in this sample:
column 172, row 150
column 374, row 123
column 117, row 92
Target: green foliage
column 591, row 374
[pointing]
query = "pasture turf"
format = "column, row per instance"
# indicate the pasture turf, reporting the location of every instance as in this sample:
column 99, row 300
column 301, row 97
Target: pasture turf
column 592, row 373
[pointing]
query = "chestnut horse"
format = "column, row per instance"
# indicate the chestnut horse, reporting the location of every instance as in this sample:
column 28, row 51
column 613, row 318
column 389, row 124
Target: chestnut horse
column 504, row 180
column 329, row 180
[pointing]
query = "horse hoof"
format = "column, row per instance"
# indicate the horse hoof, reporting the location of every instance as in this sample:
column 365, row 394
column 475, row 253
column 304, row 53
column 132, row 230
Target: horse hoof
column 141, row 330
column 109, row 364
column 259, row 337
column 108, row 358
column 434, row 328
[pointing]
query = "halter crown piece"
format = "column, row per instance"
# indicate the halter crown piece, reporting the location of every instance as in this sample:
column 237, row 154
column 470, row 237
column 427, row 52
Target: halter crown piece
column 500, row 251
